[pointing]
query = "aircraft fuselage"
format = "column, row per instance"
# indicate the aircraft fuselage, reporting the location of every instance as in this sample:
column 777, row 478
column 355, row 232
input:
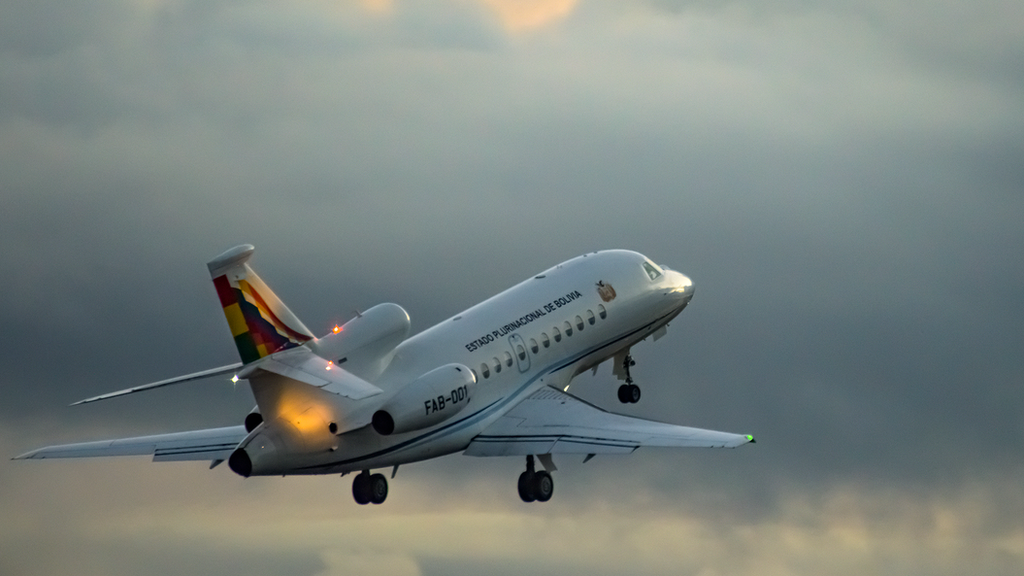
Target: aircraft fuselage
column 540, row 332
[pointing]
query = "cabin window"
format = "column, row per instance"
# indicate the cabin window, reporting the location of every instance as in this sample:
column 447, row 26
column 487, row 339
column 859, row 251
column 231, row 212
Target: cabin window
column 579, row 323
column 652, row 270
column 601, row 311
column 533, row 345
column 508, row 359
column 568, row 328
column 497, row 365
column 590, row 317
column 544, row 339
column 485, row 370
column 521, row 352
column 556, row 334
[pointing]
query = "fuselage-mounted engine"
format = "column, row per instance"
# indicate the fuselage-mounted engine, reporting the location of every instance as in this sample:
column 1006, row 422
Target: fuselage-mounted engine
column 428, row 400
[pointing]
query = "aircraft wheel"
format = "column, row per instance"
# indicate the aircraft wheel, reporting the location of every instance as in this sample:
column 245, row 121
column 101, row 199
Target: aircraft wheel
column 624, row 394
column 634, row 393
column 526, row 487
column 361, row 488
column 543, row 486
column 378, row 488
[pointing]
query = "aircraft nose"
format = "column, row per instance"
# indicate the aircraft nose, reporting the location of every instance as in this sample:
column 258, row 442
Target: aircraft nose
column 682, row 287
column 687, row 285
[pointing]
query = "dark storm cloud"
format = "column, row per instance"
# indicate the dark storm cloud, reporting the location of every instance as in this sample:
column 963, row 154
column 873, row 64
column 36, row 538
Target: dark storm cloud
column 841, row 180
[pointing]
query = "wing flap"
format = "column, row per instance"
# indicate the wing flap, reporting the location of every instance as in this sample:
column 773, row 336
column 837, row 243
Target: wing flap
column 552, row 422
column 209, row 444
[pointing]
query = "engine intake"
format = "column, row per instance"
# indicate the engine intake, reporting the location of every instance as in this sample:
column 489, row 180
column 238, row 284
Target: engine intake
column 240, row 463
column 252, row 420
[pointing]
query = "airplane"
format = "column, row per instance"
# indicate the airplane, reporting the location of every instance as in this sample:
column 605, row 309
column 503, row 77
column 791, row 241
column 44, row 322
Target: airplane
column 492, row 380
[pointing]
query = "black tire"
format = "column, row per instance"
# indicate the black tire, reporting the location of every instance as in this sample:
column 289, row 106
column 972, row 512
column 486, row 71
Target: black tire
column 634, row 393
column 526, row 485
column 624, row 394
column 543, row 486
column 378, row 488
column 361, row 489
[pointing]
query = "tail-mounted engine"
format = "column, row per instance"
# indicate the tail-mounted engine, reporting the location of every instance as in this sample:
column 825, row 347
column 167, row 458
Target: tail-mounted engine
column 430, row 399
column 365, row 344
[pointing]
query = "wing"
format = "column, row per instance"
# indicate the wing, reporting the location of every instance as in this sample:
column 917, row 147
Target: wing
column 552, row 422
column 211, row 444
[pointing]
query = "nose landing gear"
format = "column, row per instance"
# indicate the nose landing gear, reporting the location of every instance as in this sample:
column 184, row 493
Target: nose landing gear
column 629, row 393
column 535, row 485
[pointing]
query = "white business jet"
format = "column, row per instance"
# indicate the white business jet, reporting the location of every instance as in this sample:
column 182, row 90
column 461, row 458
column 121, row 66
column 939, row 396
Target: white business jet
column 490, row 381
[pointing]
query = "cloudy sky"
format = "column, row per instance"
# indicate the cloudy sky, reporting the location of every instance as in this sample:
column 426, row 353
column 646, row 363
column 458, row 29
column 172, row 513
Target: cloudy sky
column 843, row 180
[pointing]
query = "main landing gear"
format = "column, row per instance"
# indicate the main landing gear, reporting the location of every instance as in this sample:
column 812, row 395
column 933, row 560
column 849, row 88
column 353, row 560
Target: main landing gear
column 367, row 488
column 535, row 485
column 629, row 393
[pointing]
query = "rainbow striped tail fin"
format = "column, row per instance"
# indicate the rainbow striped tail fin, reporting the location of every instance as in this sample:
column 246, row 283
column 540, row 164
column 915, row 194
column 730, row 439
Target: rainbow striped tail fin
column 260, row 323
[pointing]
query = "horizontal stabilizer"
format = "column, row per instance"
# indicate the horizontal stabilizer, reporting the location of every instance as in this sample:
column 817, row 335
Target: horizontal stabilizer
column 230, row 369
column 552, row 422
column 209, row 444
column 304, row 366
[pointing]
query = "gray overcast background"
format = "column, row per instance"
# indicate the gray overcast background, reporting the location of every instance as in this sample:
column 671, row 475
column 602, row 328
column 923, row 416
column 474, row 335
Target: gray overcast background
column 843, row 180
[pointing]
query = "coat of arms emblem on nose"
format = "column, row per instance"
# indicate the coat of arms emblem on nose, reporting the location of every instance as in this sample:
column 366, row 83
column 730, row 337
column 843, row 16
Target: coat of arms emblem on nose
column 605, row 291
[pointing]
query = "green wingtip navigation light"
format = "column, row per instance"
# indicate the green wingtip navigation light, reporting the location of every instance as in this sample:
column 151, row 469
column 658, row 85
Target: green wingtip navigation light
column 751, row 439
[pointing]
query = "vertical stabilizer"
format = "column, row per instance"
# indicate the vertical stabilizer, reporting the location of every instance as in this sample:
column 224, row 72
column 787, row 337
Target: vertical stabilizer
column 260, row 323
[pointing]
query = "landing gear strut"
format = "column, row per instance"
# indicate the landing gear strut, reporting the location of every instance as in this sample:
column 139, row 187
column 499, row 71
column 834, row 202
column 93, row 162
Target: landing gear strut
column 369, row 488
column 535, row 485
column 629, row 393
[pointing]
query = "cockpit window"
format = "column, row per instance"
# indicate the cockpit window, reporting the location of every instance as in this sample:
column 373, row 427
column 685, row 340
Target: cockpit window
column 652, row 270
